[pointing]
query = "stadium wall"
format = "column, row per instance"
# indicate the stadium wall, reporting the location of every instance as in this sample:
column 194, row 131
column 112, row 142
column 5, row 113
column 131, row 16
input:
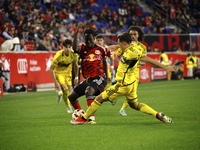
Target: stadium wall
column 22, row 67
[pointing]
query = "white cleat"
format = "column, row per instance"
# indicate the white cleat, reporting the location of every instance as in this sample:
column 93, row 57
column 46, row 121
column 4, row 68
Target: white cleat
column 162, row 117
column 60, row 94
column 122, row 112
column 69, row 109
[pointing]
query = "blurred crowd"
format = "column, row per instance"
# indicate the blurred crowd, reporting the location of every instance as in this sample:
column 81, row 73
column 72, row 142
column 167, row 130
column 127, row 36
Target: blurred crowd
column 46, row 23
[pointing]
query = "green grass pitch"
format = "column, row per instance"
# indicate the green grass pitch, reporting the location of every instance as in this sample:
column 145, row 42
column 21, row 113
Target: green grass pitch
column 35, row 121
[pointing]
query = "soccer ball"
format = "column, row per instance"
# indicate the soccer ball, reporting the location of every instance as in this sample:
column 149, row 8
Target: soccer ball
column 77, row 113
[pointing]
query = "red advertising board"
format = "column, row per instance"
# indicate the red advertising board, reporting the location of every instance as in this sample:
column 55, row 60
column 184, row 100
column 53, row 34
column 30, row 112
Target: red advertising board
column 34, row 66
column 158, row 73
column 25, row 67
column 145, row 74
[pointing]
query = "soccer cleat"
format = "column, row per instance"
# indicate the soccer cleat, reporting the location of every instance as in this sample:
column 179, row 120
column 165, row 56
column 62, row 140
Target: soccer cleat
column 69, row 109
column 162, row 117
column 91, row 122
column 122, row 112
column 79, row 120
column 60, row 94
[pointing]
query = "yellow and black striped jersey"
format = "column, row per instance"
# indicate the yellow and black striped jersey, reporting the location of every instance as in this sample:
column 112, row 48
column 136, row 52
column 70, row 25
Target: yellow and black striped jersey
column 128, row 69
column 63, row 63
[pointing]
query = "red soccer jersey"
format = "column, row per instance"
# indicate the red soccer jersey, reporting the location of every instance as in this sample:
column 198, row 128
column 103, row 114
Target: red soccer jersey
column 92, row 61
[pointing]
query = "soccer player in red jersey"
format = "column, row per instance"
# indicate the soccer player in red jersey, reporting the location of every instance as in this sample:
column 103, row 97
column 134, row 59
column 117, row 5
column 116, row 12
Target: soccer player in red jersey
column 94, row 69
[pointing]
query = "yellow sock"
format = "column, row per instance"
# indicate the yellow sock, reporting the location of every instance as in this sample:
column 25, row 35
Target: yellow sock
column 65, row 97
column 125, row 104
column 92, row 109
column 146, row 109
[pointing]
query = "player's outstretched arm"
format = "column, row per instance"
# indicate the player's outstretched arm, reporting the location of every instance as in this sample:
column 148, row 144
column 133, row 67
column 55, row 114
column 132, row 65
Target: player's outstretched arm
column 75, row 66
column 113, row 47
column 74, row 44
column 154, row 62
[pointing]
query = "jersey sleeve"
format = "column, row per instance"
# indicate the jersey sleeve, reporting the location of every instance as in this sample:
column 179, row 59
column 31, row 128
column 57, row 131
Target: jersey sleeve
column 119, row 52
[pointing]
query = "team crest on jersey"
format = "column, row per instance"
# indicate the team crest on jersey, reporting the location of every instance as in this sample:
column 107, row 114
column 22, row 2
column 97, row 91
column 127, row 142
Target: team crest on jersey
column 97, row 52
column 136, row 52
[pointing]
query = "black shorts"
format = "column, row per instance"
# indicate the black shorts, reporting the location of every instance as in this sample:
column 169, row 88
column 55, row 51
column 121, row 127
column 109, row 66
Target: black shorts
column 98, row 83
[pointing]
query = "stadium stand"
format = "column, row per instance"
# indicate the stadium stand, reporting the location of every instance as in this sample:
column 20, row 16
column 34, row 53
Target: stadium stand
column 113, row 16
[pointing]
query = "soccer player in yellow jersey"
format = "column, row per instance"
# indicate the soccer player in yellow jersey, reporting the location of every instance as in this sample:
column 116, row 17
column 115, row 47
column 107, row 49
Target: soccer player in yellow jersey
column 137, row 36
column 61, row 72
column 125, row 78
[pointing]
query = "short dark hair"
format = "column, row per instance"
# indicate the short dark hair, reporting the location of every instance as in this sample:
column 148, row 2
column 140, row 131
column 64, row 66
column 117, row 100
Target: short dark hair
column 90, row 31
column 140, row 32
column 67, row 42
column 99, row 37
column 125, row 37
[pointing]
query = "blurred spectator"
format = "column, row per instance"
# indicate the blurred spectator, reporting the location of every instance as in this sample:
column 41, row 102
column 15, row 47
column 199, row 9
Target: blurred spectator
column 187, row 46
column 21, row 46
column 6, row 34
column 122, row 10
column 172, row 14
column 92, row 25
column 149, row 49
column 194, row 47
column 40, row 47
column 189, row 65
column 10, row 45
column 180, row 70
column 197, row 73
column 193, row 22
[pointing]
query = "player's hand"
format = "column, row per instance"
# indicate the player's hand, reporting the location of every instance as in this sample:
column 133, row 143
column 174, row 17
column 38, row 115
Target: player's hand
column 75, row 82
column 80, row 24
column 170, row 69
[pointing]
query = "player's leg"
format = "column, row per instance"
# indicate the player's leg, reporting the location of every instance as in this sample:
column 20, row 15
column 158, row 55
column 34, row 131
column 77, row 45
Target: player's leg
column 110, row 94
column 133, row 103
column 90, row 96
column 94, row 88
column 125, row 104
column 65, row 98
column 77, row 92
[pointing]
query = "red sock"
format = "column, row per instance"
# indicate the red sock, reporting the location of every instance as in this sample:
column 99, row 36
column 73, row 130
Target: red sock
column 89, row 103
column 76, row 105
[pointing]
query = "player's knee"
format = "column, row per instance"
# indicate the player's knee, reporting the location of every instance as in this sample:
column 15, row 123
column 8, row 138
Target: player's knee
column 133, row 105
column 73, row 97
column 89, row 92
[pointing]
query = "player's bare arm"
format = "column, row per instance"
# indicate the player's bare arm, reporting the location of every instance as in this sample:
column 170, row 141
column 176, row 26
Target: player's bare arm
column 113, row 47
column 154, row 62
column 57, row 85
column 105, row 67
column 75, row 73
column 74, row 44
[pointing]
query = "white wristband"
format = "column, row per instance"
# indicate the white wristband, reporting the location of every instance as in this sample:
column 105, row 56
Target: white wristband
column 112, row 67
column 76, row 78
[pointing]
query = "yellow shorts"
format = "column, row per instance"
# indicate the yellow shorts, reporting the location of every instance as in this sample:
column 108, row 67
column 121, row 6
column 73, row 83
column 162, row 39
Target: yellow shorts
column 64, row 79
column 117, row 90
